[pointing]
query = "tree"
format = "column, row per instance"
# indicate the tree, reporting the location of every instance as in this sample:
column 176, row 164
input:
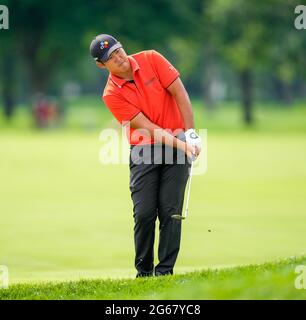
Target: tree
column 52, row 36
column 248, row 34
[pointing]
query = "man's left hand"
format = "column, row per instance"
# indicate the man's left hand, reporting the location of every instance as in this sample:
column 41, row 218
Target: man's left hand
column 193, row 138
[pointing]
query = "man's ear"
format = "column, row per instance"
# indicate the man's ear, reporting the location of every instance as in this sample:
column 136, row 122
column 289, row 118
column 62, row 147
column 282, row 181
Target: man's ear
column 100, row 65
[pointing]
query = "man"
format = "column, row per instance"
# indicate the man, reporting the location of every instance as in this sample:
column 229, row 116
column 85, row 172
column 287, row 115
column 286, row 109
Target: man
column 144, row 93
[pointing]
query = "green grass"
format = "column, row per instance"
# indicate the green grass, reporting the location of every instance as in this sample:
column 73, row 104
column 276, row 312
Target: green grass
column 64, row 216
column 273, row 280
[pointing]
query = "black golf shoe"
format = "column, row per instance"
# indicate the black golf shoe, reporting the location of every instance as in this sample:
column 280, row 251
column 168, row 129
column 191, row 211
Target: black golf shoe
column 144, row 274
column 167, row 273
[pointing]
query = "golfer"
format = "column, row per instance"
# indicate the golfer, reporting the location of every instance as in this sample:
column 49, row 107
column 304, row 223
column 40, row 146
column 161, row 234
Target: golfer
column 145, row 94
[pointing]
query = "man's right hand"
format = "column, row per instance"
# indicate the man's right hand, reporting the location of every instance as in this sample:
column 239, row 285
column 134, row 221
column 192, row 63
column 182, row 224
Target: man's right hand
column 191, row 151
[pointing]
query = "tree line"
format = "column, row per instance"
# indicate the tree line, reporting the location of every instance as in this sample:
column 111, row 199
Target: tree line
column 252, row 44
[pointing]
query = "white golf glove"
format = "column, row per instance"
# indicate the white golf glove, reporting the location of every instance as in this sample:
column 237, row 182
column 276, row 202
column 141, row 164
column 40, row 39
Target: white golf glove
column 193, row 138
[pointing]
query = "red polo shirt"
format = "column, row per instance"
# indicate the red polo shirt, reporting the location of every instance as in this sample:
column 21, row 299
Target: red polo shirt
column 152, row 74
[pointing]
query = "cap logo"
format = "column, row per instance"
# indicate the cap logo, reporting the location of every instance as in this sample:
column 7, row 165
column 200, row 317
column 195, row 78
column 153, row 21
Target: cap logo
column 103, row 44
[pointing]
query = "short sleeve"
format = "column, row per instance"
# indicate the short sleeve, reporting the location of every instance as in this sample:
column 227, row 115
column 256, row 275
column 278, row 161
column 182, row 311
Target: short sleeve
column 122, row 110
column 164, row 69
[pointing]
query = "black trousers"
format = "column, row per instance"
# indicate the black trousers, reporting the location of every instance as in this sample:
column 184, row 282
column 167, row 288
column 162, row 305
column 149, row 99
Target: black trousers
column 157, row 186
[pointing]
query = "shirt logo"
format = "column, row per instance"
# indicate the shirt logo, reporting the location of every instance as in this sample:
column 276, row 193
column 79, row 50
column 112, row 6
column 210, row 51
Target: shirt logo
column 148, row 82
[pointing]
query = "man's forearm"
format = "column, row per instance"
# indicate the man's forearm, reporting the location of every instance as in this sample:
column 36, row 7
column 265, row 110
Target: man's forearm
column 163, row 136
column 184, row 104
column 181, row 97
column 147, row 128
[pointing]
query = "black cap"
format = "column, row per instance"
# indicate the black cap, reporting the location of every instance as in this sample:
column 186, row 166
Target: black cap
column 102, row 47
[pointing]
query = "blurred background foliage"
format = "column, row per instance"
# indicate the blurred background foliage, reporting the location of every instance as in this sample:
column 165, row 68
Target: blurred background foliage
column 242, row 51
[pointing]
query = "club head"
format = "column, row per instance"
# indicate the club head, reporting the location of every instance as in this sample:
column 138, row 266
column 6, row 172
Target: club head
column 178, row 217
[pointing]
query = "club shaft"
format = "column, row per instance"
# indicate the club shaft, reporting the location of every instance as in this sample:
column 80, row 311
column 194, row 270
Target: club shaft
column 188, row 191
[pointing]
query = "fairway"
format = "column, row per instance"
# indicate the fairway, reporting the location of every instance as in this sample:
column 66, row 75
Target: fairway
column 64, row 216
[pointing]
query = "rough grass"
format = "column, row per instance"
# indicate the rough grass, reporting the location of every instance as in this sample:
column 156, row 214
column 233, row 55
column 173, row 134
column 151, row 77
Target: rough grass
column 272, row 280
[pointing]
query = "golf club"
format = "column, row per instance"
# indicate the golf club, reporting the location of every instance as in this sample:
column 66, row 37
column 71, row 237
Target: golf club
column 183, row 217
